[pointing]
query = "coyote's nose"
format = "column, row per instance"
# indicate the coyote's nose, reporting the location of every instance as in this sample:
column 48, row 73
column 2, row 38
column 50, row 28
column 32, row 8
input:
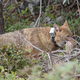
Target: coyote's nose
column 65, row 42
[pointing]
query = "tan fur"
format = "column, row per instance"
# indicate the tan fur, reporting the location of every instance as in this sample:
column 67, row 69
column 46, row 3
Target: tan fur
column 39, row 37
column 61, row 34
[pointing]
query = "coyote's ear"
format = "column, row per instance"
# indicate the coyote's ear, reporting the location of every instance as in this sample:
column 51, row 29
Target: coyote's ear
column 65, row 23
column 56, row 27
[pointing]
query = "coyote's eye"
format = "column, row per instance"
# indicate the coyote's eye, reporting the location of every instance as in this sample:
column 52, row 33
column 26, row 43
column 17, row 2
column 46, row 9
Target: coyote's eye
column 67, row 36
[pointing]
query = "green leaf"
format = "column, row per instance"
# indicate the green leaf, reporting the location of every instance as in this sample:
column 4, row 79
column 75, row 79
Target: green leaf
column 26, row 9
column 22, row 11
column 11, row 7
column 2, row 79
column 60, row 54
column 49, row 15
column 9, row 76
column 48, row 8
column 2, row 68
column 28, row 50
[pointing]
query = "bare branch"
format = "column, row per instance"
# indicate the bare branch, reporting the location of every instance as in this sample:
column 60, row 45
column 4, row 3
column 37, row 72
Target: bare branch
column 33, row 45
column 6, row 3
column 78, row 8
column 58, row 51
column 65, row 57
column 39, row 13
column 76, row 36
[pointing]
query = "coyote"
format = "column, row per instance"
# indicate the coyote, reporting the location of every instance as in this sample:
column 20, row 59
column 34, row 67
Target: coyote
column 39, row 37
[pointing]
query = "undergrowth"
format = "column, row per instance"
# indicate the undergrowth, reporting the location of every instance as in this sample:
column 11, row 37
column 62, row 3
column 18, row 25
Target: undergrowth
column 13, row 64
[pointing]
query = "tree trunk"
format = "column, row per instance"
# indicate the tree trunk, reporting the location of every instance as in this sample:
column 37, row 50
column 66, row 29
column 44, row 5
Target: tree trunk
column 1, row 18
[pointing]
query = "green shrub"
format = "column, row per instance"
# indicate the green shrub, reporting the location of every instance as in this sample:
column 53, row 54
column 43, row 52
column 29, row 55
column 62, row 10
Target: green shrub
column 63, row 71
column 13, row 20
column 12, row 57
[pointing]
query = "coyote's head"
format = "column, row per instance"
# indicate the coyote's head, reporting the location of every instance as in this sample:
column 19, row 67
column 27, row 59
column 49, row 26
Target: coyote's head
column 62, row 34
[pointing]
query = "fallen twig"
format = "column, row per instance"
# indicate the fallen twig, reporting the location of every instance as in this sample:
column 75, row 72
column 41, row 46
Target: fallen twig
column 58, row 51
column 77, row 75
column 72, row 56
